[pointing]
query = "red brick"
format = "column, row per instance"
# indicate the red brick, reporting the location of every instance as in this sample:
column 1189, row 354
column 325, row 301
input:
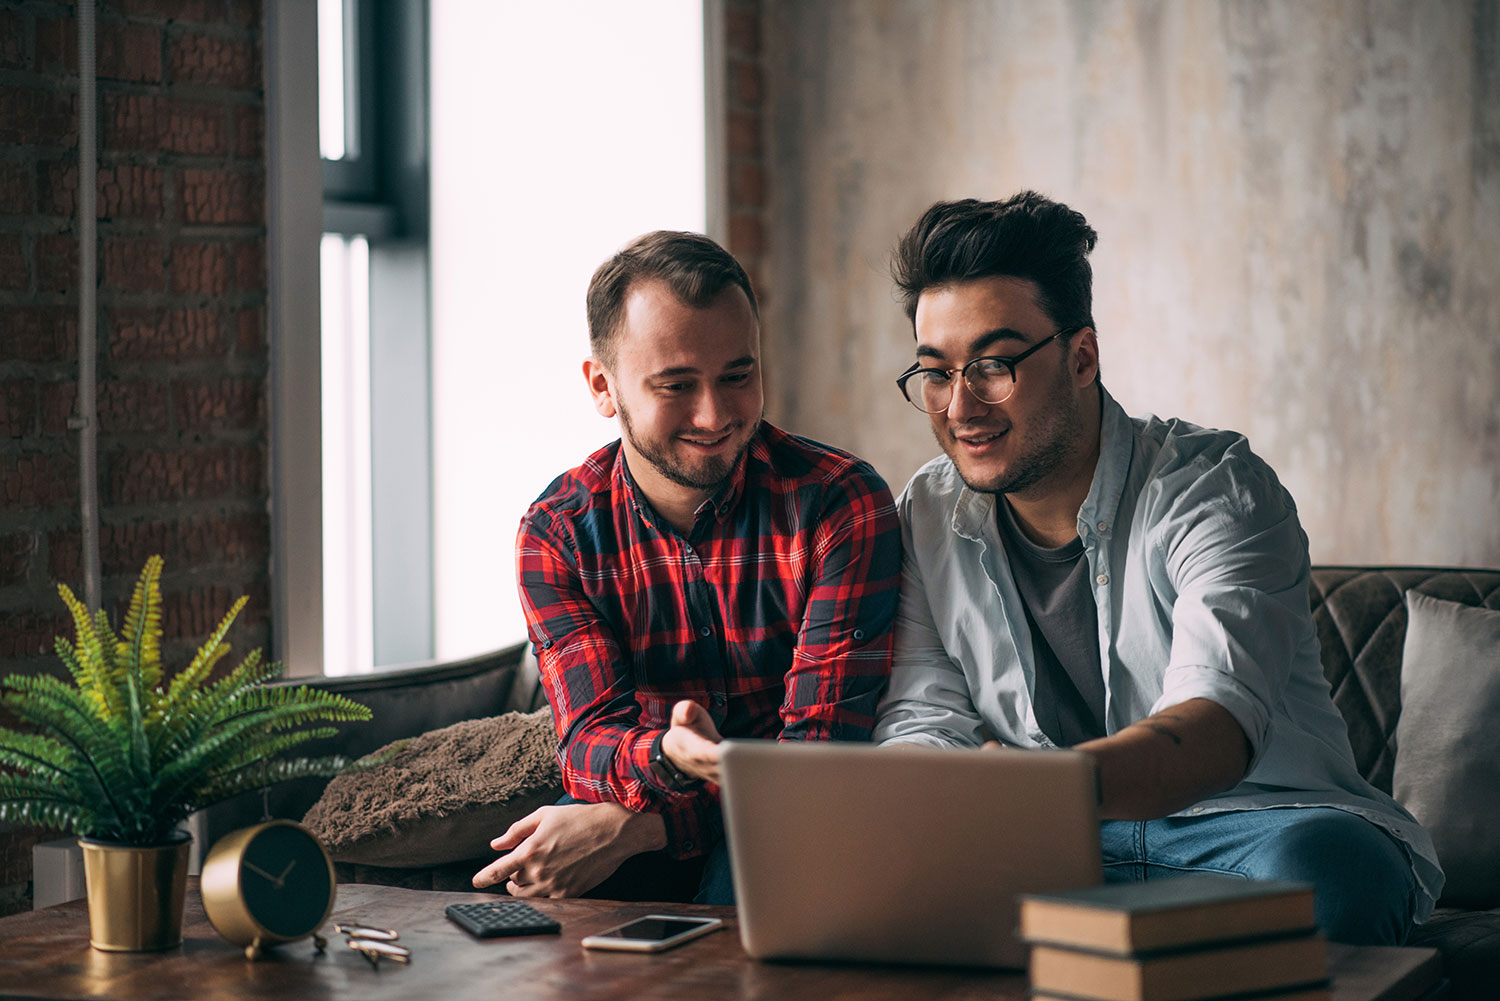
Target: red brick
column 175, row 10
column 224, row 403
column 122, row 406
column 192, row 615
column 250, row 332
column 33, row 116
column 15, row 556
column 65, row 553
column 742, row 34
column 249, row 131
column 159, row 124
column 40, row 333
column 12, row 34
column 747, row 185
column 133, row 265
column 31, row 480
column 13, row 276
column 200, row 267
column 17, row 408
column 187, row 543
column 15, row 189
column 129, row 52
column 746, row 235
column 251, row 464
column 169, row 335
column 57, row 262
column 57, row 44
column 245, row 13
column 221, row 196
column 130, row 192
column 158, row 475
column 250, row 266
column 747, row 86
column 124, row 191
column 30, row 634
column 207, row 59
column 744, row 133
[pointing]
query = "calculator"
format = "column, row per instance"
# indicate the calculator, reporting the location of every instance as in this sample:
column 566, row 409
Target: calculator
column 500, row 918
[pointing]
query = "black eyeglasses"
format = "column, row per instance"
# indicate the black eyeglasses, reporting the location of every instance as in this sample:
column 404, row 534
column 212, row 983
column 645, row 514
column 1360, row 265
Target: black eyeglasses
column 992, row 378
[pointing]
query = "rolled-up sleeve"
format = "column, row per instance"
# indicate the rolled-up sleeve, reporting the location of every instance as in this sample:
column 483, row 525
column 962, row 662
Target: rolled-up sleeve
column 1237, row 560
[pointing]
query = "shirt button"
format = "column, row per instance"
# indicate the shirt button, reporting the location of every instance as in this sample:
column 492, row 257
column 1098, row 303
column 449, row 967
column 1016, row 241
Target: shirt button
column 1197, row 809
column 859, row 634
column 706, row 631
column 687, row 845
column 1102, row 579
column 717, row 698
column 1103, row 526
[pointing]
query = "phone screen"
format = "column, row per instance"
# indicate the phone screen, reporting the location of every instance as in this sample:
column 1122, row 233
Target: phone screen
column 653, row 929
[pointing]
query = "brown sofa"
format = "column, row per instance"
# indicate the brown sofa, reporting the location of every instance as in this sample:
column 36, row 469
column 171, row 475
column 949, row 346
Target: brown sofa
column 1361, row 620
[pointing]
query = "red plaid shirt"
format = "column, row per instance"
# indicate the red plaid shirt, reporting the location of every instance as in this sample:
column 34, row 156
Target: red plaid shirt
column 774, row 614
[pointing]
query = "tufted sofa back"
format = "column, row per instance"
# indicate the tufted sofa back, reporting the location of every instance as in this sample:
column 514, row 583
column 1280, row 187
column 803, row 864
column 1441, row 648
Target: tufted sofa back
column 1361, row 620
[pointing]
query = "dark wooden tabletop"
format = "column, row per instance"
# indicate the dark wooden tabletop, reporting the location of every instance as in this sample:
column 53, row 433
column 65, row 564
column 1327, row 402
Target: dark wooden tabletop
column 46, row 954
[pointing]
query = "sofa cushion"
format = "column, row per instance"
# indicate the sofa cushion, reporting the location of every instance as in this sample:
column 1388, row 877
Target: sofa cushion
column 442, row 796
column 1447, row 769
column 1470, row 944
column 1361, row 621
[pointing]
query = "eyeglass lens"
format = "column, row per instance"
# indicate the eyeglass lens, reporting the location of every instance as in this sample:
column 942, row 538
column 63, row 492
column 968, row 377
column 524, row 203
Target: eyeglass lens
column 989, row 379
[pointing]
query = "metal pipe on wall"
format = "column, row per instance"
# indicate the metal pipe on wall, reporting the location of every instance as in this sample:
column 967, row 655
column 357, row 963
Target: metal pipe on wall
column 87, row 421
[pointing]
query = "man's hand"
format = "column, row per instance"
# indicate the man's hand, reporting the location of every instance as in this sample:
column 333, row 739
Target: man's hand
column 565, row 851
column 692, row 742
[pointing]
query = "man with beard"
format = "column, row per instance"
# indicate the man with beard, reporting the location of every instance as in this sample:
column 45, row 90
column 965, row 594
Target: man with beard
column 707, row 575
column 1134, row 588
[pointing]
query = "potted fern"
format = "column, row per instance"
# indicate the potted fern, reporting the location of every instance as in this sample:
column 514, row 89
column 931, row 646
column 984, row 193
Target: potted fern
column 123, row 754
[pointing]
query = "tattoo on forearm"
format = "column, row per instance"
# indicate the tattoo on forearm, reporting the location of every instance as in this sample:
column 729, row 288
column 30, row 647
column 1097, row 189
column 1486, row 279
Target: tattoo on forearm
column 1165, row 731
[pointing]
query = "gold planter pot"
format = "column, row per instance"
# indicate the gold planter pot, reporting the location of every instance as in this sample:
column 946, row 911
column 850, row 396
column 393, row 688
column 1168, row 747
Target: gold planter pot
column 135, row 893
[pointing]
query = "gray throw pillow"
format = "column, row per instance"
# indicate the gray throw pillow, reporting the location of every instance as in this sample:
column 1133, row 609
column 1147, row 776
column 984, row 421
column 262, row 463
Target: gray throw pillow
column 442, row 796
column 1447, row 770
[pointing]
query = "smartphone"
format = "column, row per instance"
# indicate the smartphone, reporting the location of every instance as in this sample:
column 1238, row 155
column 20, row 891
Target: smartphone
column 653, row 933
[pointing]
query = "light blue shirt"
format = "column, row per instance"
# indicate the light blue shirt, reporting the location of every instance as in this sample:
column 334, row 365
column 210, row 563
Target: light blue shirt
column 1200, row 571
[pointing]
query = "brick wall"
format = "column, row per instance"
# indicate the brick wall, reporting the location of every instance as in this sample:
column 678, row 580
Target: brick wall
column 744, row 135
column 182, row 354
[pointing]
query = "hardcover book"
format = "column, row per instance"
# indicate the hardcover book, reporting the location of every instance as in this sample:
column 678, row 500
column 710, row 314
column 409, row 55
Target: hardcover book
column 1129, row 918
column 1188, row 975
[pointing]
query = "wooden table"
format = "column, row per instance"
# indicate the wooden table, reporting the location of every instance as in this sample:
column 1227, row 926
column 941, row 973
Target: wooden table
column 45, row 954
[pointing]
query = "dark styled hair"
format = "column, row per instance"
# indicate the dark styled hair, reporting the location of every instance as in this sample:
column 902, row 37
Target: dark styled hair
column 1026, row 236
column 694, row 267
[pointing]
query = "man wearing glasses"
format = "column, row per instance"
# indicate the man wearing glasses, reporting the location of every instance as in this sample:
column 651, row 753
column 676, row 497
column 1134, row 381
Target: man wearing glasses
column 1134, row 588
column 707, row 574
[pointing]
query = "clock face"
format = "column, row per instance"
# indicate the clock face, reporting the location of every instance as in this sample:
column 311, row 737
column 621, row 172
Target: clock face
column 285, row 881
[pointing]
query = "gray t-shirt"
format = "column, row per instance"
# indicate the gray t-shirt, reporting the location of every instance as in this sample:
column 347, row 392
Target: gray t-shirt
column 1058, row 594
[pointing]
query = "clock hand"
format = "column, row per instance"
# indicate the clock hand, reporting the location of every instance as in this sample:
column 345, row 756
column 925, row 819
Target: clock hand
column 274, row 880
column 282, row 878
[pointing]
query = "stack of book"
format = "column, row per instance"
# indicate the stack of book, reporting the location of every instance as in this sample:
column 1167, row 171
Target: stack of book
column 1182, row 939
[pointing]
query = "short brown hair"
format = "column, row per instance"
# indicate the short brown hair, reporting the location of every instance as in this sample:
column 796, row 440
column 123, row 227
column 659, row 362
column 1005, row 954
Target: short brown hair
column 694, row 267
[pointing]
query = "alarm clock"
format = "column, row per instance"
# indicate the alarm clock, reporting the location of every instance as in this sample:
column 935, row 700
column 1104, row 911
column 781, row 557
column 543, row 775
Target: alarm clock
column 269, row 883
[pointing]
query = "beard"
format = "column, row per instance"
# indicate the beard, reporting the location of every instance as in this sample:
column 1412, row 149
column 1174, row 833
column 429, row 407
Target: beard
column 705, row 474
column 1053, row 437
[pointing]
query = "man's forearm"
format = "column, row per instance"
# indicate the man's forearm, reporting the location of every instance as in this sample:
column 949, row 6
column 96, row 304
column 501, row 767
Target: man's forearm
column 1169, row 761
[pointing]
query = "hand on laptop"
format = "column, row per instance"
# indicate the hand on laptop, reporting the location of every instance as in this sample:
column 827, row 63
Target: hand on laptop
column 692, row 742
column 565, row 851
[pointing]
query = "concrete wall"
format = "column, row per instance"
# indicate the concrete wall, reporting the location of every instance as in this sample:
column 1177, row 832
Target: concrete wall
column 1299, row 215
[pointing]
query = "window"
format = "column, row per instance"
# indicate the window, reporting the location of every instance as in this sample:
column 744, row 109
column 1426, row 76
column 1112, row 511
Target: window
column 453, row 325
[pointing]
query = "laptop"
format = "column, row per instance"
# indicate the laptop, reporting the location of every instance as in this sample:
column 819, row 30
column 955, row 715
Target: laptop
column 901, row 854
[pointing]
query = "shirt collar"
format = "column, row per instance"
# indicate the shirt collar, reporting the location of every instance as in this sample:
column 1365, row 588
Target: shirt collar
column 720, row 504
column 974, row 511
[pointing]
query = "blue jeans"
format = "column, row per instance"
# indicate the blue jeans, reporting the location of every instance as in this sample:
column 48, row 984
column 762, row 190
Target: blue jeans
column 1363, row 887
